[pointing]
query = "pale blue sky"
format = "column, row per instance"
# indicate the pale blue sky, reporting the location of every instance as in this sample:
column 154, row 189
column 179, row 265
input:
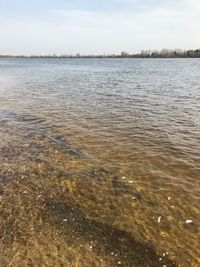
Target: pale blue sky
column 97, row 26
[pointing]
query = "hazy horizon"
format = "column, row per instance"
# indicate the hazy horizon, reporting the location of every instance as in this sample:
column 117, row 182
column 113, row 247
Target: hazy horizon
column 98, row 26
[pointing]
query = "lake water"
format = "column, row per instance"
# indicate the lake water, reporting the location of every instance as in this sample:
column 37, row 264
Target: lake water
column 100, row 162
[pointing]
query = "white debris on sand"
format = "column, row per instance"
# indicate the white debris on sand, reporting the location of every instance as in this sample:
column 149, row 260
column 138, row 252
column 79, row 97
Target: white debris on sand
column 159, row 219
column 189, row 221
column 169, row 198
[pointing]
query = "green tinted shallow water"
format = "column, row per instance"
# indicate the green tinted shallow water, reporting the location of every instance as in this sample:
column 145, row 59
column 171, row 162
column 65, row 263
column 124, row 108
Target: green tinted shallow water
column 99, row 162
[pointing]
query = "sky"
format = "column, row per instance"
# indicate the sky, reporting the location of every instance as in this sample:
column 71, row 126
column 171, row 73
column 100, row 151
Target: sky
column 44, row 27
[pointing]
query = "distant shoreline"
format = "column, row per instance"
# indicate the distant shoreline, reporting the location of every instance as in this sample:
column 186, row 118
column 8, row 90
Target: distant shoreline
column 97, row 57
column 164, row 53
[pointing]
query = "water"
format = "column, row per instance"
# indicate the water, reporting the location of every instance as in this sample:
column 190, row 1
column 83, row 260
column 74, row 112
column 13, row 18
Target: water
column 100, row 162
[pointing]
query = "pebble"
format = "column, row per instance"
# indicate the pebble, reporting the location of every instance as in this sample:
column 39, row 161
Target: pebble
column 164, row 234
column 64, row 220
column 123, row 178
column 169, row 198
column 159, row 219
column 130, row 182
column 119, row 262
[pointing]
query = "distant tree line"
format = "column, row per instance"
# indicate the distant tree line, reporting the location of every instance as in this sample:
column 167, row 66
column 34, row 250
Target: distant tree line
column 164, row 53
column 169, row 53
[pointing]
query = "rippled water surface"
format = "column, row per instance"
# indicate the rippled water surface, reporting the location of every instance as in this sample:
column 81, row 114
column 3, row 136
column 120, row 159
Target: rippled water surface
column 100, row 162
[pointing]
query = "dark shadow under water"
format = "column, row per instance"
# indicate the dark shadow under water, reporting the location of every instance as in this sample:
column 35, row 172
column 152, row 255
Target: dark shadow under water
column 104, row 239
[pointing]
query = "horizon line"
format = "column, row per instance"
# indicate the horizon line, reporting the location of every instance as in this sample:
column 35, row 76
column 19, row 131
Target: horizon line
column 166, row 53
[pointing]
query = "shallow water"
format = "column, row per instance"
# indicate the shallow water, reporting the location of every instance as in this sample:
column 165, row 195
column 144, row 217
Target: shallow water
column 100, row 162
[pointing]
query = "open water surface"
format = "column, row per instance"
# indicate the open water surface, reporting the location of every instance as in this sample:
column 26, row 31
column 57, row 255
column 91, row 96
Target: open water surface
column 100, row 162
